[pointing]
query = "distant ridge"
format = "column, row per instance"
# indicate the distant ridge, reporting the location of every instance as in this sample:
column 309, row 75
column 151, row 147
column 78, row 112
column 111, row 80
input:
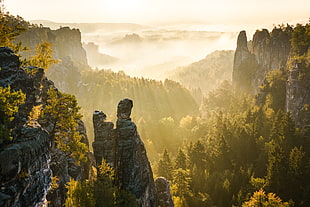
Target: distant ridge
column 93, row 27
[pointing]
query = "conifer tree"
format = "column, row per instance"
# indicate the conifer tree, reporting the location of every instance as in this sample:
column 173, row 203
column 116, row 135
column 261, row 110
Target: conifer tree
column 63, row 110
column 165, row 166
column 10, row 27
column 180, row 160
column 9, row 104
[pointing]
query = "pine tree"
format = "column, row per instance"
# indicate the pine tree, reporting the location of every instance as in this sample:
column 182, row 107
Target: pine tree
column 165, row 166
column 180, row 160
column 63, row 110
column 197, row 155
column 181, row 185
column 10, row 28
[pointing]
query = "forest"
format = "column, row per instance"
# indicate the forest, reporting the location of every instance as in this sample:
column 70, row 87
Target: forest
column 231, row 149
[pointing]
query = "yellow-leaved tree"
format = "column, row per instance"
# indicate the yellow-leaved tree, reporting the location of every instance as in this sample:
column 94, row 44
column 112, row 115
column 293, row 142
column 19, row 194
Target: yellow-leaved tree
column 43, row 57
column 261, row 199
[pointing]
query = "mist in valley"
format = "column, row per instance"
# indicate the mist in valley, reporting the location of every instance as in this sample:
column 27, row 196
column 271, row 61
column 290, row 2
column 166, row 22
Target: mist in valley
column 149, row 51
column 153, row 53
column 211, row 93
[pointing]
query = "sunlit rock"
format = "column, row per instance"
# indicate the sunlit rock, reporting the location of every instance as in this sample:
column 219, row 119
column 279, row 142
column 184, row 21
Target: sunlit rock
column 124, row 150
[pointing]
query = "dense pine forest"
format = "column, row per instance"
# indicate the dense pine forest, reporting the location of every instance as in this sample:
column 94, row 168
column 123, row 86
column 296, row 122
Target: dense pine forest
column 232, row 148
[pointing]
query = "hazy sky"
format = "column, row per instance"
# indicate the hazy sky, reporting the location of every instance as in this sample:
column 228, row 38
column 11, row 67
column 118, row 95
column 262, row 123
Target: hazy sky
column 163, row 11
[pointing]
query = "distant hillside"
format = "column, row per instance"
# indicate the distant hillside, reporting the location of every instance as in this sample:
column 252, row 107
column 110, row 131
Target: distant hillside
column 207, row 73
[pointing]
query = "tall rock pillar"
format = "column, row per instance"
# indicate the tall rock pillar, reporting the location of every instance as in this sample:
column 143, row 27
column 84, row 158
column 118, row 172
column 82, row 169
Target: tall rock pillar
column 244, row 65
column 124, row 150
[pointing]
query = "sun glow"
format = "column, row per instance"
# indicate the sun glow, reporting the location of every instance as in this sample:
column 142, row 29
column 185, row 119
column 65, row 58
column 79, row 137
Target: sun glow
column 124, row 8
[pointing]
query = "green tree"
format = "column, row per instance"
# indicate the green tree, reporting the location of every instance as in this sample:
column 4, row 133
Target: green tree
column 275, row 89
column 63, row 110
column 9, row 104
column 100, row 192
column 197, row 155
column 181, row 185
column 80, row 194
column 10, row 27
column 165, row 166
column 180, row 160
column 300, row 40
column 104, row 190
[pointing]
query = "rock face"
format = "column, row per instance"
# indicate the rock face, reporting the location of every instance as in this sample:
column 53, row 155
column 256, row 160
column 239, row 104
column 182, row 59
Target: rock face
column 126, row 153
column 272, row 51
column 29, row 162
column 163, row 192
column 25, row 174
column 67, row 49
column 267, row 51
column 24, row 164
column 104, row 145
column 244, row 65
column 298, row 96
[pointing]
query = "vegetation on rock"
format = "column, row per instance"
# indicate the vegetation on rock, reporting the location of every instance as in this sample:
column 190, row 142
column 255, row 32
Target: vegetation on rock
column 62, row 109
column 9, row 104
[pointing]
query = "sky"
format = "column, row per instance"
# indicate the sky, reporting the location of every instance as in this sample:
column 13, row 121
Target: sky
column 164, row 11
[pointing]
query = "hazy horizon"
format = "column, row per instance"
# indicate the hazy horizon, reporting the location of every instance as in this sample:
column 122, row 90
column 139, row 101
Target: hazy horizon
column 161, row 12
column 172, row 33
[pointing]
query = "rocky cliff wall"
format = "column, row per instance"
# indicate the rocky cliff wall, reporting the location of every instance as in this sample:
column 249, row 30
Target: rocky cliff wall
column 274, row 51
column 28, row 163
column 67, row 49
column 124, row 150
column 298, row 96
column 267, row 51
column 25, row 174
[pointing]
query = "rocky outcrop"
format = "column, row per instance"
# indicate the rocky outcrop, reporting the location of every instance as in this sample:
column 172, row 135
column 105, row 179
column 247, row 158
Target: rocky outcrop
column 67, row 49
column 273, row 51
column 24, row 163
column 163, row 192
column 28, row 163
column 25, row 175
column 104, row 144
column 267, row 51
column 244, row 65
column 298, row 96
column 124, row 150
column 65, row 42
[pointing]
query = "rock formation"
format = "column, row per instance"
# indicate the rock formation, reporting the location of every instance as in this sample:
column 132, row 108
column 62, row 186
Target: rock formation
column 67, row 49
column 298, row 96
column 28, row 163
column 267, row 51
column 244, row 65
column 273, row 51
column 163, row 192
column 25, row 174
column 104, row 144
column 123, row 149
